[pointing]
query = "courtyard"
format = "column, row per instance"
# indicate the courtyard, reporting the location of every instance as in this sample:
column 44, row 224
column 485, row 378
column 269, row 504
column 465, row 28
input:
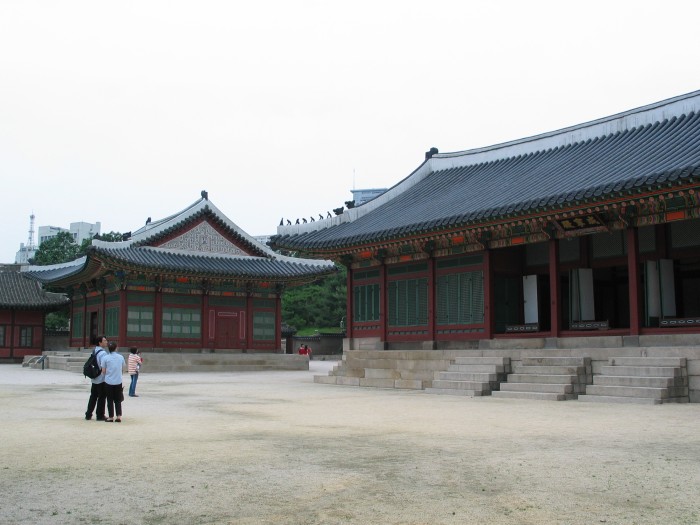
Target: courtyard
column 276, row 448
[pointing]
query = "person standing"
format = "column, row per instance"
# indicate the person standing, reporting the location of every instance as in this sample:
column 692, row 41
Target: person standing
column 112, row 368
column 98, row 392
column 133, row 367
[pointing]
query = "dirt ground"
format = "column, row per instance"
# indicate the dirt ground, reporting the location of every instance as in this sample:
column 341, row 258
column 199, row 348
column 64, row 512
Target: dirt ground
column 275, row 448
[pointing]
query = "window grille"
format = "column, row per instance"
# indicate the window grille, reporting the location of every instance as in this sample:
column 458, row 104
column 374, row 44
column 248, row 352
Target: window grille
column 140, row 321
column 366, row 303
column 460, row 298
column 263, row 326
column 182, row 323
column 408, row 302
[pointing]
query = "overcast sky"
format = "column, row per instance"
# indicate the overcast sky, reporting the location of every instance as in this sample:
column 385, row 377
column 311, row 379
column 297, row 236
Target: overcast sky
column 119, row 111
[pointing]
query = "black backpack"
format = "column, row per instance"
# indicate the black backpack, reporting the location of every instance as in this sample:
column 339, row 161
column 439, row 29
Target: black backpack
column 91, row 368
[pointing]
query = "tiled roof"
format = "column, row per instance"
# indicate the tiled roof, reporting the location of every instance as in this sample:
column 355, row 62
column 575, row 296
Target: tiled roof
column 182, row 263
column 637, row 150
column 256, row 262
column 17, row 291
column 215, row 265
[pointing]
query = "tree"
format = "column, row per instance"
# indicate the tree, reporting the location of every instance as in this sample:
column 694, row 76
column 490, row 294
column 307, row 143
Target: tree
column 316, row 305
column 59, row 249
column 109, row 237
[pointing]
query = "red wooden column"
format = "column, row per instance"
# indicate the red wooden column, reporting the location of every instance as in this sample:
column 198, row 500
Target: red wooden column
column 431, row 298
column 489, row 296
column 384, row 303
column 158, row 318
column 123, row 316
column 554, row 289
column 349, row 308
column 86, row 328
column 278, row 323
column 249, row 322
column 633, row 279
column 204, row 320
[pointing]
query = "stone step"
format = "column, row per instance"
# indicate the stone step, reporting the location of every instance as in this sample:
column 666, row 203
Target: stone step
column 618, row 399
column 649, row 382
column 404, row 364
column 461, row 385
column 648, row 361
column 556, row 361
column 503, row 361
column 550, row 370
column 642, row 371
column 538, row 387
column 466, row 376
column 540, row 396
column 454, row 392
column 633, row 391
column 540, row 378
column 486, row 369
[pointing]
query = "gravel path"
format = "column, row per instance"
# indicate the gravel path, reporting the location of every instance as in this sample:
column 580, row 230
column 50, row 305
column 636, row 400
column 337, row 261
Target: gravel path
column 275, row 448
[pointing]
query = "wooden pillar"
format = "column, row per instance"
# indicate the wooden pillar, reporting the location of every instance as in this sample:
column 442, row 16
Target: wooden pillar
column 249, row 322
column 158, row 318
column 633, row 279
column 86, row 327
column 123, row 316
column 489, row 296
column 349, row 308
column 554, row 289
column 204, row 321
column 384, row 304
column 278, row 323
column 431, row 298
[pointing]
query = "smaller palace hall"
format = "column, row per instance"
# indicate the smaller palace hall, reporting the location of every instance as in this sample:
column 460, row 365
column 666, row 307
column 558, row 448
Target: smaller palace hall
column 191, row 281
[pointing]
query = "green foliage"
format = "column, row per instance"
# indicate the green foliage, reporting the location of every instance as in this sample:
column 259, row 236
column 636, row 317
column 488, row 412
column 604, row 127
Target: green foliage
column 57, row 320
column 321, row 303
column 59, row 249
column 110, row 237
column 62, row 248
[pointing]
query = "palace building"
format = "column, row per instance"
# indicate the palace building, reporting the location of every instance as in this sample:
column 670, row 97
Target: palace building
column 23, row 309
column 190, row 282
column 589, row 230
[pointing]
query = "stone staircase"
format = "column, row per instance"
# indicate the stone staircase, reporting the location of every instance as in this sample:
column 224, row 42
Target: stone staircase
column 156, row 362
column 401, row 369
column 547, row 378
column 640, row 380
column 471, row 376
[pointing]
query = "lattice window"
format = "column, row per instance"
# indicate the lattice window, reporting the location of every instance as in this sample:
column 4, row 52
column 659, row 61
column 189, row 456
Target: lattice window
column 77, row 325
column 25, row 336
column 408, row 302
column 604, row 245
column 685, row 234
column 182, row 323
column 140, row 321
column 366, row 303
column 263, row 326
column 112, row 322
column 460, row 298
column 569, row 250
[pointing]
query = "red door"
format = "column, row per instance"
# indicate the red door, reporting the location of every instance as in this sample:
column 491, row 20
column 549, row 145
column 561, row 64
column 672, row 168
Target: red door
column 226, row 330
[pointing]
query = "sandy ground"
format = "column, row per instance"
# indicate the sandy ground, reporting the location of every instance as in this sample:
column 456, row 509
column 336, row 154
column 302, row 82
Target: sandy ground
column 275, row 448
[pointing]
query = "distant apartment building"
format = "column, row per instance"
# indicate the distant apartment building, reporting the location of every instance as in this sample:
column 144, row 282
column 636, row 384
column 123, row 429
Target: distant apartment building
column 362, row 196
column 79, row 230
